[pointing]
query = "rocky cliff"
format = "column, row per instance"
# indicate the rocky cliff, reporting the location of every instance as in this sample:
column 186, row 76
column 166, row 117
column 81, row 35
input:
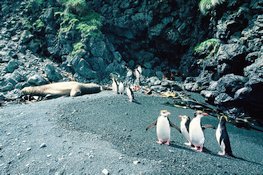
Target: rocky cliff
column 214, row 46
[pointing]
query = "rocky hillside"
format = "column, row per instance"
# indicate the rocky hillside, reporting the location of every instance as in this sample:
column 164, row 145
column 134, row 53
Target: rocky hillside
column 214, row 46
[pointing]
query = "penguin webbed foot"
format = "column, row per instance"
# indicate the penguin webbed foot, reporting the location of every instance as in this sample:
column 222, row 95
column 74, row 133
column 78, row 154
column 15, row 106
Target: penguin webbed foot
column 188, row 144
column 221, row 153
column 199, row 148
column 163, row 142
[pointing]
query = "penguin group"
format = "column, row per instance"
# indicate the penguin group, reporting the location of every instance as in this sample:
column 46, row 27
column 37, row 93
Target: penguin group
column 192, row 130
column 118, row 87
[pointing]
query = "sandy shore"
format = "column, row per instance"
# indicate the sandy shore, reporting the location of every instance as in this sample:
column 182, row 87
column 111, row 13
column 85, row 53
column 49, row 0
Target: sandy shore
column 92, row 133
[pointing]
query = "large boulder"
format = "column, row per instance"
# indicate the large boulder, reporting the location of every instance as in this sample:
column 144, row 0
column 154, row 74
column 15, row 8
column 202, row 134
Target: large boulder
column 52, row 73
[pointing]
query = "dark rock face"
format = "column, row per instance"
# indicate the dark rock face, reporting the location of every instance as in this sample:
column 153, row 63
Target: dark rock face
column 161, row 36
column 236, row 68
column 162, row 28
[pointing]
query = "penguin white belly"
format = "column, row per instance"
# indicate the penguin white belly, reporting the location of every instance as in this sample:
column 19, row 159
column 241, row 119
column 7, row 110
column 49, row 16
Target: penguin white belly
column 218, row 138
column 114, row 87
column 196, row 133
column 163, row 129
column 218, row 134
column 184, row 132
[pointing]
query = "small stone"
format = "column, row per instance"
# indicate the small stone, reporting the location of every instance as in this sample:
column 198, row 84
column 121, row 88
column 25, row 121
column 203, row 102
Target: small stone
column 43, row 145
column 28, row 149
column 49, row 155
column 135, row 162
column 105, row 171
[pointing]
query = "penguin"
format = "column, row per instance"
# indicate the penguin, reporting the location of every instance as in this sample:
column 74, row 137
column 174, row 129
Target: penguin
column 137, row 73
column 114, row 85
column 196, row 133
column 223, row 138
column 121, row 88
column 163, row 127
column 184, row 128
column 130, row 94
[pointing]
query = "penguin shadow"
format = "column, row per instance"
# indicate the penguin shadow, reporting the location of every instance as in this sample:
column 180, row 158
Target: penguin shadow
column 207, row 151
column 229, row 157
column 136, row 102
column 174, row 145
column 242, row 159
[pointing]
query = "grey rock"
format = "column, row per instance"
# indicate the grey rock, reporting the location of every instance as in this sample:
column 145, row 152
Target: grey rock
column 52, row 73
column 230, row 83
column 21, row 85
column 11, row 80
column 230, row 52
column 25, row 37
column 36, row 80
column 255, row 68
column 222, row 98
column 209, row 95
column 11, row 66
column 8, row 87
column 159, row 74
column 97, row 47
column 17, row 76
column 153, row 81
column 158, row 88
column 117, row 56
column 188, row 86
column 83, row 68
column 172, row 85
column 242, row 93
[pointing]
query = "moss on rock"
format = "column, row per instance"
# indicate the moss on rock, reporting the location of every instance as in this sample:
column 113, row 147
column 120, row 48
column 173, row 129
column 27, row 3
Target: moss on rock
column 208, row 47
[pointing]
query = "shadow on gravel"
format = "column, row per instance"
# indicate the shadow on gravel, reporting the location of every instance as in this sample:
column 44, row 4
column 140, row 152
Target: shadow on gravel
column 172, row 144
column 207, row 151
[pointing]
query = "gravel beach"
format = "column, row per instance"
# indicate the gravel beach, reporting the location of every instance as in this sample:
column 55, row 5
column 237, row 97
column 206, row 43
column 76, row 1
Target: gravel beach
column 105, row 134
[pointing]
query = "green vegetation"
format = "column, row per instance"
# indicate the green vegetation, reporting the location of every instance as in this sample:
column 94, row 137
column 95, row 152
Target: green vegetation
column 34, row 5
column 77, row 47
column 39, row 25
column 78, row 7
column 88, row 25
column 206, row 6
column 208, row 47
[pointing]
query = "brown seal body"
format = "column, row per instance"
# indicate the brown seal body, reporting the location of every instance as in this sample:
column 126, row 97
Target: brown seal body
column 71, row 88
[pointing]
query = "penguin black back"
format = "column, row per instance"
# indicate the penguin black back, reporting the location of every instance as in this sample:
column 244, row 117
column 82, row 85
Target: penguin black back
column 224, row 137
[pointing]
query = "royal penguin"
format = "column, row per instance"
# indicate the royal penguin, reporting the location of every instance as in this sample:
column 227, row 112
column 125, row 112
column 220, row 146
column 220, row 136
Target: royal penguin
column 130, row 94
column 114, row 85
column 223, row 138
column 137, row 73
column 196, row 133
column 184, row 128
column 163, row 127
column 121, row 88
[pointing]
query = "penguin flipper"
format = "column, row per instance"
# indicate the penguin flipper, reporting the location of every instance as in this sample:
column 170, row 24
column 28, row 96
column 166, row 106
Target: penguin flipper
column 174, row 126
column 151, row 125
column 207, row 126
